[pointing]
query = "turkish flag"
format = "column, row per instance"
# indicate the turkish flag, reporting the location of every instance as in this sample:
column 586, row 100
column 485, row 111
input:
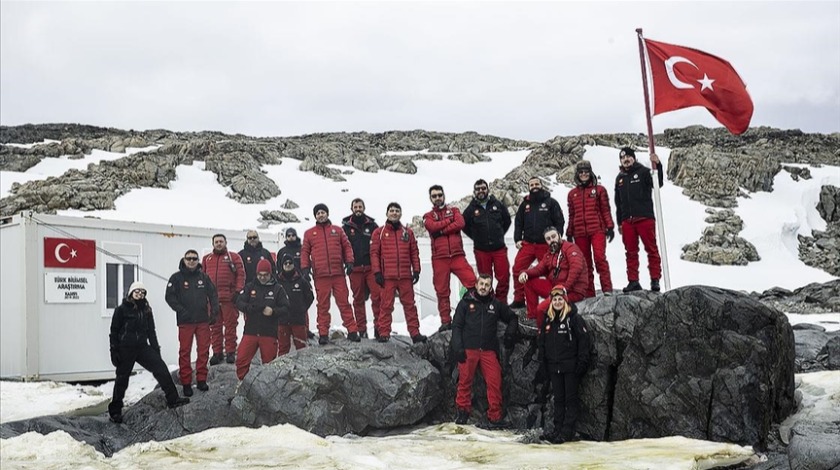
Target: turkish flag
column 684, row 77
column 69, row 253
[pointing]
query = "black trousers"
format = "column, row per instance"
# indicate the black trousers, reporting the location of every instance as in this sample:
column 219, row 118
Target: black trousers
column 566, row 403
column 150, row 359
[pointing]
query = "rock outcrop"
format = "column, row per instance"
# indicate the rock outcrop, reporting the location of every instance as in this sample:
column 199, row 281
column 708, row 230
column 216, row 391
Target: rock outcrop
column 822, row 250
column 720, row 243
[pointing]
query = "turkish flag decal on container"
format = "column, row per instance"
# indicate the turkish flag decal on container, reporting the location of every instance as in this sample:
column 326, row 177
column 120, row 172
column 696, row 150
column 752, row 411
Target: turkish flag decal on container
column 69, row 253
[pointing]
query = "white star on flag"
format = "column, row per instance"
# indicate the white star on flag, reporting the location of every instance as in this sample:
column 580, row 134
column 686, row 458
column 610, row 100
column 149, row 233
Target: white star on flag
column 706, row 82
column 72, row 253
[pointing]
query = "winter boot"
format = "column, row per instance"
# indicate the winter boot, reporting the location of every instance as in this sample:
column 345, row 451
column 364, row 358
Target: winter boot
column 116, row 417
column 217, row 359
column 445, row 327
column 188, row 390
column 654, row 285
column 354, row 337
column 383, row 339
column 632, row 287
column 418, row 338
column 310, row 335
column 230, row 357
column 178, row 402
column 497, row 425
column 323, row 339
column 517, row 304
column 363, row 334
column 202, row 385
column 461, row 416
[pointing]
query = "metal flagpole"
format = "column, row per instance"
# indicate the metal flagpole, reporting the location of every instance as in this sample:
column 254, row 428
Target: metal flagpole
column 660, row 225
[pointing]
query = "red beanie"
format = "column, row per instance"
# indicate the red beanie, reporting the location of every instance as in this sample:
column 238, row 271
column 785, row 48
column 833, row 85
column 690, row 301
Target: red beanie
column 263, row 266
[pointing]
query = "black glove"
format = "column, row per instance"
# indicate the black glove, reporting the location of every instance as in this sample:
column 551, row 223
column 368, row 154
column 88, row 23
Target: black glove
column 570, row 238
column 348, row 268
column 509, row 341
column 115, row 357
column 380, row 279
column 436, row 234
column 304, row 273
column 610, row 235
column 541, row 376
column 415, row 277
column 581, row 368
column 460, row 356
column 213, row 317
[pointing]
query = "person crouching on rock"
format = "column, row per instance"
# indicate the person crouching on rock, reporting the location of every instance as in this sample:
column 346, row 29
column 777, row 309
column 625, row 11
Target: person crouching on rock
column 563, row 351
column 263, row 302
column 475, row 345
column 134, row 339
column 293, row 325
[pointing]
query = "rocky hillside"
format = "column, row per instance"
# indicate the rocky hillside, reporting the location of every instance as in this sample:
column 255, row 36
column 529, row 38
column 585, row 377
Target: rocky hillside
column 711, row 165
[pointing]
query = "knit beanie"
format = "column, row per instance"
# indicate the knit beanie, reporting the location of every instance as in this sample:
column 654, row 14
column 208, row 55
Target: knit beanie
column 320, row 207
column 263, row 266
column 627, row 151
column 291, row 231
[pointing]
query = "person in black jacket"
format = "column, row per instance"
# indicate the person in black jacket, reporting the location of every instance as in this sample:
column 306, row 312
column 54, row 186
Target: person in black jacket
column 635, row 217
column 537, row 212
column 292, row 325
column 192, row 295
column 252, row 253
column 263, row 302
column 563, row 352
column 133, row 339
column 358, row 227
column 292, row 247
column 487, row 220
column 475, row 345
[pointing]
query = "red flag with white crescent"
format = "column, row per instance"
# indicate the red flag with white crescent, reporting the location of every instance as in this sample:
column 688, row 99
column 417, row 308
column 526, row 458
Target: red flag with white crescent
column 685, row 77
column 69, row 253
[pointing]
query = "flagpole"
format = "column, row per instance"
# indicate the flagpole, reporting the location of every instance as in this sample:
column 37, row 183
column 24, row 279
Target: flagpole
column 660, row 225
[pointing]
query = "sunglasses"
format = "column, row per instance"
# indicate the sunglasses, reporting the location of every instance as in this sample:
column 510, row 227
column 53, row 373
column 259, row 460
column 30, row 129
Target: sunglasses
column 253, row 238
column 191, row 258
column 480, row 188
column 291, row 235
column 288, row 262
column 139, row 291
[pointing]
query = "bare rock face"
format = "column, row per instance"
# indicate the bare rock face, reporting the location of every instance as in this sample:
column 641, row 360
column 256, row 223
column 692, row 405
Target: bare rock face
column 720, row 243
column 241, row 171
column 289, row 204
column 278, row 217
column 822, row 250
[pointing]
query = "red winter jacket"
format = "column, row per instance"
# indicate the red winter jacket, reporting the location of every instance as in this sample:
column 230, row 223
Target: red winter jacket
column 325, row 249
column 444, row 226
column 393, row 252
column 567, row 267
column 589, row 211
column 227, row 273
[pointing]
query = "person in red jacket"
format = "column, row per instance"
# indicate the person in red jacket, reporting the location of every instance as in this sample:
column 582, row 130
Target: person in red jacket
column 444, row 224
column 395, row 260
column 327, row 256
column 262, row 301
column 227, row 272
column 563, row 264
column 590, row 225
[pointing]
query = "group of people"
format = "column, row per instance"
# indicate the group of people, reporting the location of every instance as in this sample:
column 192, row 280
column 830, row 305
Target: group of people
column 382, row 263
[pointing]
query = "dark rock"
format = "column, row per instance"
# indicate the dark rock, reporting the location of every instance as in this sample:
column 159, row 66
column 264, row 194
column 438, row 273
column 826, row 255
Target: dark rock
column 813, row 298
column 815, row 446
column 807, row 326
column 832, row 352
column 810, row 345
column 706, row 363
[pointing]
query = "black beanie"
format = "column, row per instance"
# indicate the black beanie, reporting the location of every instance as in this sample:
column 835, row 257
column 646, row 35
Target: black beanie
column 286, row 257
column 627, row 151
column 320, row 207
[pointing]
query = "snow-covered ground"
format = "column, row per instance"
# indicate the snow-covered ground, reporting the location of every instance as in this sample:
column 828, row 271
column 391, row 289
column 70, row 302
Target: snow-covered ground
column 771, row 223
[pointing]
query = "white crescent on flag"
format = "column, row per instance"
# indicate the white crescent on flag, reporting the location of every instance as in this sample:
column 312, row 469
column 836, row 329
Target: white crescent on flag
column 58, row 252
column 669, row 69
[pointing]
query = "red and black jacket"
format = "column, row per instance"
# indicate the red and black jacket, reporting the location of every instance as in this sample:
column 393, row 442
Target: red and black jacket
column 536, row 213
column 359, row 231
column 486, row 224
column 253, row 299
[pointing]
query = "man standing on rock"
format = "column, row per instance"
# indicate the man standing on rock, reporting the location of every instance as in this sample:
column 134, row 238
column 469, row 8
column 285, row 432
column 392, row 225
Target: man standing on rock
column 537, row 212
column 192, row 295
column 562, row 264
column 228, row 275
column 326, row 254
column 395, row 259
column 475, row 345
column 292, row 248
column 359, row 227
column 444, row 224
column 635, row 217
column 252, row 253
column 591, row 224
column 486, row 221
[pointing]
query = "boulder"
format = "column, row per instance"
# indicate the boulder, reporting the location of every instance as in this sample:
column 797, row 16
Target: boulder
column 705, row 363
column 278, row 217
column 341, row 388
column 814, row 446
column 832, row 352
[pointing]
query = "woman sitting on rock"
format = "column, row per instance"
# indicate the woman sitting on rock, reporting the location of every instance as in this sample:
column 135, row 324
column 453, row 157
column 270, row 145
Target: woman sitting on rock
column 134, row 339
column 563, row 352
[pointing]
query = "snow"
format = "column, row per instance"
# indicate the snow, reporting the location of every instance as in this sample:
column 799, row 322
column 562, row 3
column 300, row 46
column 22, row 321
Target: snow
column 771, row 222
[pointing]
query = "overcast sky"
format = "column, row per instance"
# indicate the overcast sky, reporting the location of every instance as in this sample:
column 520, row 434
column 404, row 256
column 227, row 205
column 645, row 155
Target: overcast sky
column 512, row 69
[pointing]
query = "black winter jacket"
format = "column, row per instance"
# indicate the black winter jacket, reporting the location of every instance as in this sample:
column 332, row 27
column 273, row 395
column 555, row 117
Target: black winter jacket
column 476, row 323
column 292, row 249
column 251, row 256
column 133, row 325
column 633, row 193
column 300, row 297
column 536, row 213
column 359, row 232
column 563, row 346
column 487, row 224
column 192, row 295
column 253, row 299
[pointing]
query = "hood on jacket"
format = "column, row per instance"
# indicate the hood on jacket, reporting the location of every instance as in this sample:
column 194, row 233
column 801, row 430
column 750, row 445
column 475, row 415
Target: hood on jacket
column 248, row 246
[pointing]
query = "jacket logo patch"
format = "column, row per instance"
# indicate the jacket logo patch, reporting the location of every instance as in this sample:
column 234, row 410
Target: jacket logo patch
column 297, row 286
column 248, row 259
column 477, row 212
column 352, row 231
column 593, row 192
column 200, row 282
column 547, row 327
column 542, row 205
column 491, row 307
column 253, row 293
column 387, row 234
column 270, row 293
column 367, row 231
column 562, row 326
column 169, row 285
column 636, row 176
